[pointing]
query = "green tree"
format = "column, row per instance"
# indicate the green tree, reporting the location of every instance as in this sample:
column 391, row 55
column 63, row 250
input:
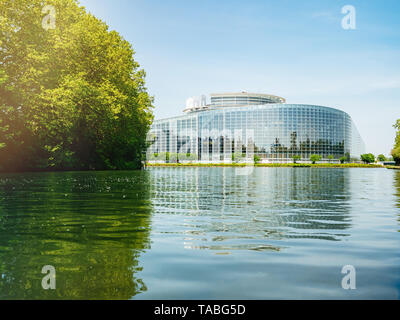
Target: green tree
column 381, row 158
column 368, row 158
column 256, row 159
column 330, row 158
column 315, row 157
column 396, row 155
column 71, row 97
column 396, row 150
column 296, row 158
column 343, row 159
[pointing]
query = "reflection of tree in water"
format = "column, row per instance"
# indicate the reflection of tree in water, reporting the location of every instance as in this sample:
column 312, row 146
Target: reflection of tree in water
column 397, row 186
column 244, row 211
column 91, row 227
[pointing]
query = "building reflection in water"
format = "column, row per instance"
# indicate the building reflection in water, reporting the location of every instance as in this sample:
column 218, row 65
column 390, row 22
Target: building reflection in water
column 219, row 210
column 92, row 227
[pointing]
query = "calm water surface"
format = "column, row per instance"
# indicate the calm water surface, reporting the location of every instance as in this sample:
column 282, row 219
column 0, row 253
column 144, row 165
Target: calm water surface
column 201, row 233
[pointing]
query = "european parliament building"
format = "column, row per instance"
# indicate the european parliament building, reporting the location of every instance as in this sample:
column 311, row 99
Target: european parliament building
column 241, row 125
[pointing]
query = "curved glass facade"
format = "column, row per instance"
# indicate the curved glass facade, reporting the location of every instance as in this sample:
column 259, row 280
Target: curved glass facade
column 275, row 132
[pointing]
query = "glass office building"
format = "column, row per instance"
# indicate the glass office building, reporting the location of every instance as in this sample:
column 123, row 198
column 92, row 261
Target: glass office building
column 241, row 125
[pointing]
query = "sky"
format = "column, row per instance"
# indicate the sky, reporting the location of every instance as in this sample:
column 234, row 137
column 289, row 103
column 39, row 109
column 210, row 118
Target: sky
column 294, row 49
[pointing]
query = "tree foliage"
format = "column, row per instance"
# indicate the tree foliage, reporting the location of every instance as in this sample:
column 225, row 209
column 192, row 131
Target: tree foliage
column 381, row 158
column 315, row 157
column 396, row 149
column 71, row 97
column 396, row 155
column 343, row 159
column 296, row 158
column 368, row 158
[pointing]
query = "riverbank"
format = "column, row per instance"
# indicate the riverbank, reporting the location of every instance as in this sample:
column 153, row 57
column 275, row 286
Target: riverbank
column 277, row 165
column 393, row 167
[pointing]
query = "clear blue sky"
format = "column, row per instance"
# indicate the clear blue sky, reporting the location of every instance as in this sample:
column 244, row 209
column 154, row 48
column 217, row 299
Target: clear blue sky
column 294, row 49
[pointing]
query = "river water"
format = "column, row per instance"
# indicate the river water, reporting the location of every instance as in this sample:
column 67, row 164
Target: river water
column 201, row 233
